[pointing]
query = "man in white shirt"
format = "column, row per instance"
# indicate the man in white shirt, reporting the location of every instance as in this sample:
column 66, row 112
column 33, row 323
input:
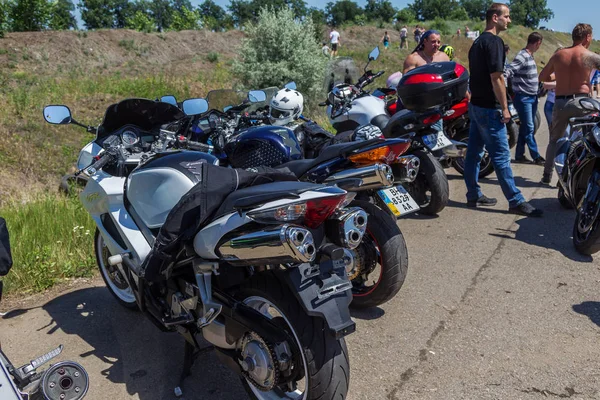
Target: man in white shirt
column 334, row 39
column 403, row 36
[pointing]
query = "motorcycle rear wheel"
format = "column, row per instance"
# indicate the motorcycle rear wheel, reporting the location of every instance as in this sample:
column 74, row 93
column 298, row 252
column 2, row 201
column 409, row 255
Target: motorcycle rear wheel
column 586, row 229
column 485, row 167
column 383, row 240
column 325, row 361
column 512, row 131
column 115, row 282
column 430, row 190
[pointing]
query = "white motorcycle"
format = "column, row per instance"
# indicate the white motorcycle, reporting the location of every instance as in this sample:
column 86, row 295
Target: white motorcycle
column 255, row 262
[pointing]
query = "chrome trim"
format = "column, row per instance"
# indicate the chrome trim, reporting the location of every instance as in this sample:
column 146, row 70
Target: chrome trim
column 374, row 176
column 406, row 168
column 283, row 244
column 215, row 333
column 346, row 227
column 458, row 149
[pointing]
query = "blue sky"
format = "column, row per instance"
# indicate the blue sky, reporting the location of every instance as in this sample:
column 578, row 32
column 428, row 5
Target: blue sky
column 567, row 13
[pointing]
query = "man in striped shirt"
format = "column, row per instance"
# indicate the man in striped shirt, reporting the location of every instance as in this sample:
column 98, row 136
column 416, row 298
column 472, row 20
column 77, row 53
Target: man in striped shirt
column 524, row 74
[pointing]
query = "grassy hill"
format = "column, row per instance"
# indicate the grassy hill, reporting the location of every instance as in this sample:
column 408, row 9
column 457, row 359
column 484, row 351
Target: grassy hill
column 90, row 70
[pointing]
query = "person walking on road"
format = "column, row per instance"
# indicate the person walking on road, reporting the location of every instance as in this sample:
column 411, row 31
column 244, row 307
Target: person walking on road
column 572, row 67
column 488, row 112
column 524, row 78
column 404, row 37
column 334, row 40
column 385, row 40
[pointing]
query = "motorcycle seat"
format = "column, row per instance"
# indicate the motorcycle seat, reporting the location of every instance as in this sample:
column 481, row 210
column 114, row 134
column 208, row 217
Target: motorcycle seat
column 254, row 196
column 301, row 167
column 398, row 120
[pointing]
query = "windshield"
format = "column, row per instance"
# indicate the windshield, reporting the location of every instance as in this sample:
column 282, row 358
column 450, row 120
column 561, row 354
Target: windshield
column 224, row 99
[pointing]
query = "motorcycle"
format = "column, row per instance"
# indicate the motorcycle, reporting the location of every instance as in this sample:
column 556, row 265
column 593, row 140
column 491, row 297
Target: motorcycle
column 350, row 106
column 254, row 261
column 361, row 168
column 65, row 379
column 577, row 164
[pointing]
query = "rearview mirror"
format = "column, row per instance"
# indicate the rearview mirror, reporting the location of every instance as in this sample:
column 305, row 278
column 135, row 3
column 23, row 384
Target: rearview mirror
column 58, row 115
column 169, row 99
column 256, row 96
column 290, row 85
column 374, row 54
column 194, row 106
column 589, row 104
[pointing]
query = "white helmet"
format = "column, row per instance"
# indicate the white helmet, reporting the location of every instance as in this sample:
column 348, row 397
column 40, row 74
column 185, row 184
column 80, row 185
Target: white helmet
column 393, row 79
column 285, row 106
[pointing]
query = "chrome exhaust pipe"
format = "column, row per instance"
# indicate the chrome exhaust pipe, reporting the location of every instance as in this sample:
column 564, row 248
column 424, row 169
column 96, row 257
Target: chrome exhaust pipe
column 280, row 245
column 347, row 226
column 372, row 177
column 406, row 168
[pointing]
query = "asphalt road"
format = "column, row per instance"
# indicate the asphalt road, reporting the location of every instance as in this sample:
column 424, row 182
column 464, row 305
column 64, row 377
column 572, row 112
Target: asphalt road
column 495, row 306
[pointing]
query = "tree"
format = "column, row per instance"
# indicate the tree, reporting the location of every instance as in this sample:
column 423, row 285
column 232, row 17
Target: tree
column 97, row 14
column 162, row 13
column 406, row 15
column 459, row 14
column 214, row 16
column 342, row 11
column 30, row 15
column 379, row 10
column 4, row 17
column 141, row 21
column 280, row 48
column 476, row 9
column 529, row 13
column 186, row 20
column 243, row 11
column 426, row 10
column 61, row 15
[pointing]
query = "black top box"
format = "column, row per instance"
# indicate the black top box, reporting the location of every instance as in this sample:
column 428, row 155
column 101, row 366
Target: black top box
column 436, row 85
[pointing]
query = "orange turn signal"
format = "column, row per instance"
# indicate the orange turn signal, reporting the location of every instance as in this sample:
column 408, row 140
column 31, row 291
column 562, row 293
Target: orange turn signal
column 385, row 154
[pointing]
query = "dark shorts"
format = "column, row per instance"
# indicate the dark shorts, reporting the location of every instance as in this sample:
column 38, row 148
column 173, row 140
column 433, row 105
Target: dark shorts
column 334, row 46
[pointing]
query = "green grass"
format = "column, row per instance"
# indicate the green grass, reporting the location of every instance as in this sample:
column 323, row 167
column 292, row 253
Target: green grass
column 51, row 240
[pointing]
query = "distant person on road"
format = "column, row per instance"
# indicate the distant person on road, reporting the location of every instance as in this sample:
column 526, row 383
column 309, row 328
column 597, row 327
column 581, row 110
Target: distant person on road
column 488, row 113
column 404, row 37
column 386, row 40
column 524, row 73
column 334, row 40
column 572, row 67
column 458, row 33
column 417, row 32
column 467, row 30
column 596, row 83
column 325, row 49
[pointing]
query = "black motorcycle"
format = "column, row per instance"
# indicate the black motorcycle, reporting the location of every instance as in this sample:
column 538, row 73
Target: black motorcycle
column 577, row 163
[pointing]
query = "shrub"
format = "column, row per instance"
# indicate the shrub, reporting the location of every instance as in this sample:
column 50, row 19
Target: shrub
column 213, row 57
column 440, row 25
column 279, row 49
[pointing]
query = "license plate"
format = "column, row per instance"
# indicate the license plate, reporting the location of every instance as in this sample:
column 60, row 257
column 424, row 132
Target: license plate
column 512, row 110
column 436, row 141
column 398, row 201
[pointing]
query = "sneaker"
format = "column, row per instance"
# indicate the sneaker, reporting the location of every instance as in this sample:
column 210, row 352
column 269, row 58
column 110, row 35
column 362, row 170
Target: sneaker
column 526, row 209
column 539, row 161
column 482, row 201
column 546, row 179
column 522, row 160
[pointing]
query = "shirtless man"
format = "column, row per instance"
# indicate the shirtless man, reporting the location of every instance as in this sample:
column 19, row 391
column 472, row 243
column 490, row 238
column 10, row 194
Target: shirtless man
column 572, row 67
column 426, row 52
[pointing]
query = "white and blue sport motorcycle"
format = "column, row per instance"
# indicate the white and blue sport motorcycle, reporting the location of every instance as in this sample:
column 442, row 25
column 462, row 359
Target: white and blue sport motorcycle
column 255, row 262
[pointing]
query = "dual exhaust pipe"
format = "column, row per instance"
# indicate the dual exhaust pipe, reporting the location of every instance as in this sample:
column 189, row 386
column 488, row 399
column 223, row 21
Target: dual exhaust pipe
column 364, row 178
column 293, row 244
column 406, row 168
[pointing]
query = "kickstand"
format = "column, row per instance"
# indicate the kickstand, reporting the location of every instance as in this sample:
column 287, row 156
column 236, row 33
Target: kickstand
column 191, row 353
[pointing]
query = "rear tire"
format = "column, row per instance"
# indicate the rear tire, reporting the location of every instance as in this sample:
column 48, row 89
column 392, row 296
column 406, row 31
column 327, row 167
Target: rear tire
column 586, row 229
column 115, row 282
column 512, row 131
column 326, row 363
column 385, row 235
column 71, row 184
column 430, row 190
column 485, row 167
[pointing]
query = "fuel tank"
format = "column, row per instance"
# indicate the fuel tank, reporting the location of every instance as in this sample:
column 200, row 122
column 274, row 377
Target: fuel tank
column 267, row 146
column 155, row 187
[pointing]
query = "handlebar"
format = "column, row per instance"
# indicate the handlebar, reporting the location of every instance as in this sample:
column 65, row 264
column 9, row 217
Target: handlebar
column 206, row 148
column 100, row 163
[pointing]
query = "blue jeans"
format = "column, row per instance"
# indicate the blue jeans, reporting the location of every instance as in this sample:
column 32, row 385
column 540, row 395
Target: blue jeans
column 488, row 130
column 548, row 107
column 526, row 106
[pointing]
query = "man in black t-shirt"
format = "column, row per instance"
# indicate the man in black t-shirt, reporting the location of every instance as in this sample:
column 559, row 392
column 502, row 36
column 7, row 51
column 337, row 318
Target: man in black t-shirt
column 488, row 114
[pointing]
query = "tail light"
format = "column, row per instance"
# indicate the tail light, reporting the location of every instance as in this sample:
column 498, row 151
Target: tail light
column 459, row 70
column 386, row 154
column 423, row 78
column 311, row 213
column 432, row 119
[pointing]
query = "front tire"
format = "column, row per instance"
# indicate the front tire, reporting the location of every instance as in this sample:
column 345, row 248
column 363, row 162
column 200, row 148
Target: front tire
column 383, row 251
column 430, row 190
column 325, row 359
column 562, row 199
column 114, row 280
column 586, row 230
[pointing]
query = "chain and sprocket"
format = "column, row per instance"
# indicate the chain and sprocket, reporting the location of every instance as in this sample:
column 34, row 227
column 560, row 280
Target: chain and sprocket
column 272, row 380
